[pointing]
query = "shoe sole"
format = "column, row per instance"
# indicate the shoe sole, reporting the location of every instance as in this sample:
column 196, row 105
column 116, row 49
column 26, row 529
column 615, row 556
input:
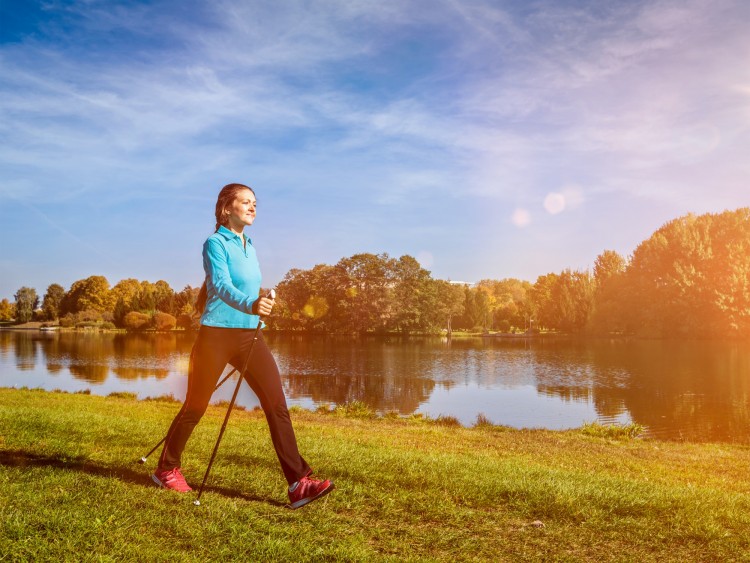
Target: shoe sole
column 302, row 502
column 156, row 480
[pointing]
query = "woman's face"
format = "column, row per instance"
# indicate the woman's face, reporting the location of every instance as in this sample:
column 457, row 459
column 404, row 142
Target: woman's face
column 242, row 210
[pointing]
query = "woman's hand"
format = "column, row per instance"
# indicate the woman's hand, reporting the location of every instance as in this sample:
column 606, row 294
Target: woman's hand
column 263, row 306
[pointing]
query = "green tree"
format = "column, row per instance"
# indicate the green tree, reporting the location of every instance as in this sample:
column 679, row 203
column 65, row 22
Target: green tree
column 543, row 307
column 184, row 300
column 611, row 296
column 573, row 299
column 26, row 303
column 306, row 300
column 145, row 299
column 413, row 296
column 51, row 302
column 449, row 303
column 164, row 297
column 366, row 304
column 477, row 308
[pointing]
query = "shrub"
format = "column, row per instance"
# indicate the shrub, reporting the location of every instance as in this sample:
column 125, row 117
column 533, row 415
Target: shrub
column 123, row 395
column 482, row 421
column 354, row 409
column 442, row 420
column 107, row 325
column 136, row 321
column 163, row 321
column 185, row 321
column 89, row 315
column 68, row 320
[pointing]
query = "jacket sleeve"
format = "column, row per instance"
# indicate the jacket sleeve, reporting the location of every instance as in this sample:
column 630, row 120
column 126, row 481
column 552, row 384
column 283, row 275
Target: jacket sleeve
column 217, row 270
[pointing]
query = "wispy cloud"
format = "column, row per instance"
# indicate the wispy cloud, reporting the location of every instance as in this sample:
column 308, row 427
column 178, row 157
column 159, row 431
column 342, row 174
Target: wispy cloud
column 370, row 105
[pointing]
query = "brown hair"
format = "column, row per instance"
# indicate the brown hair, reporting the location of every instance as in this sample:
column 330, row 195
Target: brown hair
column 227, row 195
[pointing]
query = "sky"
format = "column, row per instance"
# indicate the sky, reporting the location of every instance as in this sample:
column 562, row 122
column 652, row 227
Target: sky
column 488, row 139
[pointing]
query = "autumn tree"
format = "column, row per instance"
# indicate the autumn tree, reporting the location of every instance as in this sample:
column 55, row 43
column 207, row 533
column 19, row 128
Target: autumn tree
column 7, row 310
column 92, row 293
column 52, row 300
column 692, row 277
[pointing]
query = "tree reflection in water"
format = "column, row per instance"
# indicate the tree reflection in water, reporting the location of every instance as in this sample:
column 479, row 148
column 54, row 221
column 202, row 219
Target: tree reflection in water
column 678, row 390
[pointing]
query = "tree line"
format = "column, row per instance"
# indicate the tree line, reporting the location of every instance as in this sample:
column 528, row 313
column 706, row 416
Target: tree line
column 690, row 278
column 130, row 304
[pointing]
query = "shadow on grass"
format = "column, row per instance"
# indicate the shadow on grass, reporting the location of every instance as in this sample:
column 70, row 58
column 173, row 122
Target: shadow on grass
column 21, row 458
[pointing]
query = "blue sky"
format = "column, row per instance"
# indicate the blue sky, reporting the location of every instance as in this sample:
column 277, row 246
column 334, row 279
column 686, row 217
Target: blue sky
column 488, row 139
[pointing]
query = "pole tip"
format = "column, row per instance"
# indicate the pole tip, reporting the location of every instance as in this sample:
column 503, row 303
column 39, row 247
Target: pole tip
column 142, row 460
column 196, row 502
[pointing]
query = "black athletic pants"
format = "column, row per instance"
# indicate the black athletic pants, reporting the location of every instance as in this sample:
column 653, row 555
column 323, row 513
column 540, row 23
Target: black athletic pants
column 213, row 350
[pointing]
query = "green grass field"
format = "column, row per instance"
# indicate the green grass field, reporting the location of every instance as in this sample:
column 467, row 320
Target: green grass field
column 407, row 490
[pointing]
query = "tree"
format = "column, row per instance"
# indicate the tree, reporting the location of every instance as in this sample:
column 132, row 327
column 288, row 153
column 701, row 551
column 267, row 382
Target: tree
column 542, row 302
column 52, row 300
column 413, row 296
column 92, row 293
column 611, row 295
column 573, row 298
column 26, row 302
column 692, row 277
column 126, row 290
column 477, row 307
column 7, row 310
column 449, row 303
column 163, row 297
column 608, row 264
column 366, row 303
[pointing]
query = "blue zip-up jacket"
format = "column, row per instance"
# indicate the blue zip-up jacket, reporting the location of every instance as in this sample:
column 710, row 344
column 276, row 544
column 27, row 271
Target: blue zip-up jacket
column 232, row 280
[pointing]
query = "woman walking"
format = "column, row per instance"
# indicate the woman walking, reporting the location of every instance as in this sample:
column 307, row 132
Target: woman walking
column 231, row 312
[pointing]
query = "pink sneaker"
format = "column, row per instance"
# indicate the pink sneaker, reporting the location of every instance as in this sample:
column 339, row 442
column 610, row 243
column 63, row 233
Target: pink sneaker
column 308, row 490
column 171, row 479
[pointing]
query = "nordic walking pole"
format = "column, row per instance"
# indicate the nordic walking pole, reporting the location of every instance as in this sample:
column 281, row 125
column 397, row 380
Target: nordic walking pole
column 145, row 457
column 197, row 501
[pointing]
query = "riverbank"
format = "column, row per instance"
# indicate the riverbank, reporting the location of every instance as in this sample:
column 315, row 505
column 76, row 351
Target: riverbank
column 70, row 489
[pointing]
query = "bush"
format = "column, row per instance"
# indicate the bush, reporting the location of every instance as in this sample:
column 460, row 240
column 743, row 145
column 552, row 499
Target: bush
column 183, row 321
column 89, row 315
column 136, row 321
column 107, row 325
column 163, row 321
column 68, row 321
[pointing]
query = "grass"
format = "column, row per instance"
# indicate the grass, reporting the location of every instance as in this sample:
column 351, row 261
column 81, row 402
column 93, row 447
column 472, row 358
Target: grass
column 408, row 489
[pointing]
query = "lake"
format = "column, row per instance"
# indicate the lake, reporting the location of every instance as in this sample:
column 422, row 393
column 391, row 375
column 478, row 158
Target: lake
column 696, row 391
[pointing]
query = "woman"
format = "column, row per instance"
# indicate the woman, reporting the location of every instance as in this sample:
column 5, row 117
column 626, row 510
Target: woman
column 231, row 313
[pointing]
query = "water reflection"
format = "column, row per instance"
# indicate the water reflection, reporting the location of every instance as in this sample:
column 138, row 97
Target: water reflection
column 695, row 391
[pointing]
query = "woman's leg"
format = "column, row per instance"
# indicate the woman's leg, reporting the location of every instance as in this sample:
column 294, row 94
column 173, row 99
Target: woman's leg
column 263, row 376
column 209, row 356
